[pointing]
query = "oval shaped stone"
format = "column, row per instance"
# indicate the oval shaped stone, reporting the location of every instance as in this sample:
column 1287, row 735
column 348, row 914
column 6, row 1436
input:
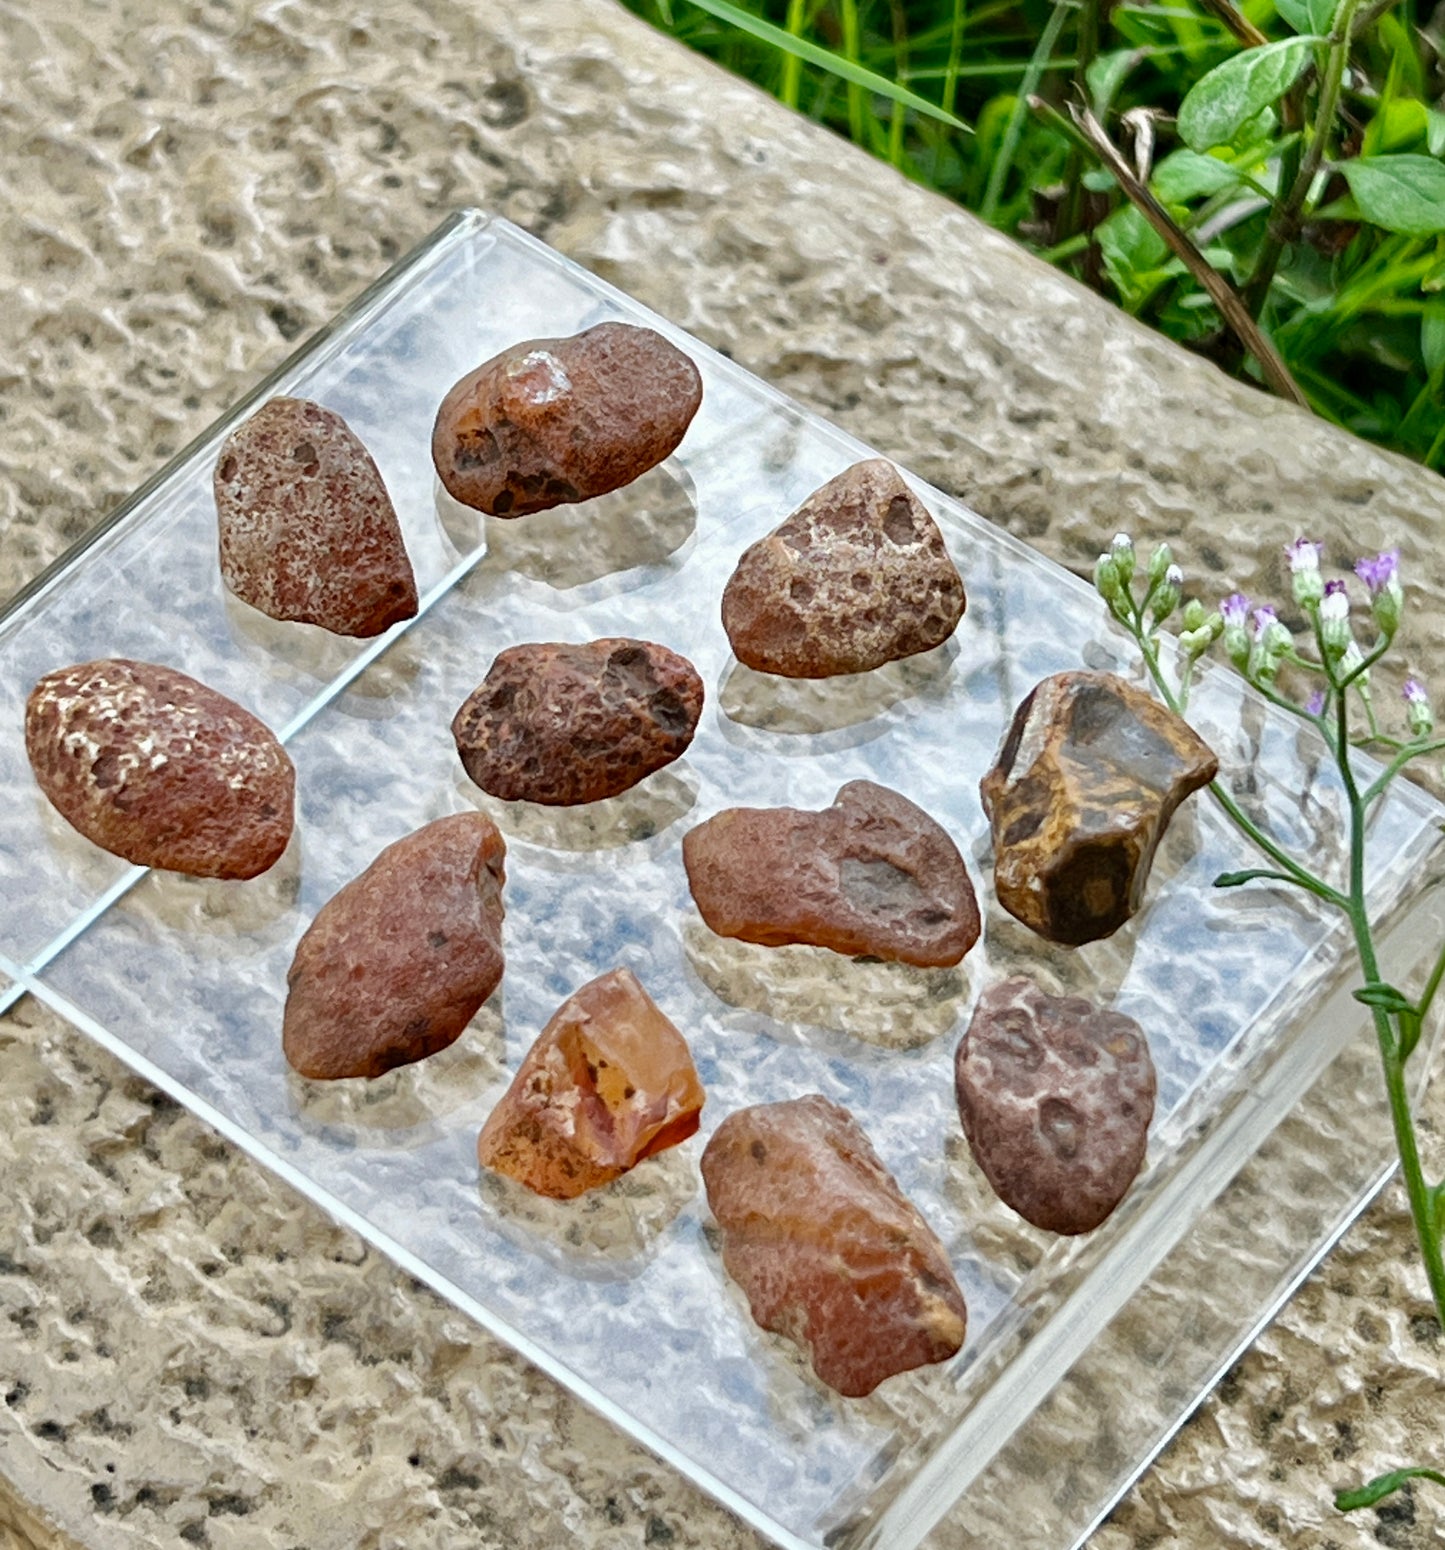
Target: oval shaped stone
column 826, row 1247
column 871, row 874
column 159, row 769
column 307, row 530
column 1084, row 785
column 564, row 724
column 858, row 576
column 396, row 964
column 609, row 1081
column 552, row 421
column 1055, row 1096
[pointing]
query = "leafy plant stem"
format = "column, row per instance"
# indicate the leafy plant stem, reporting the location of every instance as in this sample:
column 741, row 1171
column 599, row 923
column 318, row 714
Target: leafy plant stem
column 1393, row 768
column 1237, row 816
column 1427, row 996
column 1256, row 288
column 1395, row 1047
column 1284, row 224
column 1008, row 147
column 1070, row 215
column 1220, row 291
column 1393, row 1053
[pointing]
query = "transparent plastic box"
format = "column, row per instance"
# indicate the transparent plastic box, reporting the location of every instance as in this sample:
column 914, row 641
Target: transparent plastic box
column 1081, row 1355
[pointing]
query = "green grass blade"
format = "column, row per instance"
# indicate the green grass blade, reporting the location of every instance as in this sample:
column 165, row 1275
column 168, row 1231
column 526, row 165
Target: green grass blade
column 955, row 56
column 792, row 65
column 815, row 54
column 1003, row 162
column 851, row 43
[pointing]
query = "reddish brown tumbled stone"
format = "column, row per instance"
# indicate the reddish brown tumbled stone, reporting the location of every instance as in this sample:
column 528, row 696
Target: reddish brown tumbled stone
column 858, row 576
column 1056, row 1098
column 307, row 530
column 159, row 769
column 553, row 421
column 872, row 874
column 827, row 1248
column 567, row 724
column 609, row 1081
column 1079, row 796
column 396, row 964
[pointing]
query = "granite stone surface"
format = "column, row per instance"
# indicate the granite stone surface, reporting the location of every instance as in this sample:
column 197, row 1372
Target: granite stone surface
column 191, row 1353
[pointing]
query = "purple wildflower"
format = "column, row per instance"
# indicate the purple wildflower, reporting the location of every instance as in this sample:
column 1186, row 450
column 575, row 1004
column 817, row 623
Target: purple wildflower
column 1417, row 708
column 1315, row 705
column 1235, row 611
column 1382, row 576
column 1377, row 574
column 1263, row 618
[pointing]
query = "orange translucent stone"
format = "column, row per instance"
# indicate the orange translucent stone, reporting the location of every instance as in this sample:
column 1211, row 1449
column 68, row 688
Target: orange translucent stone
column 608, row 1082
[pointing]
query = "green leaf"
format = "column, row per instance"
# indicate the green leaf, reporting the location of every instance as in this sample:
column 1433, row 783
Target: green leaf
column 1133, row 253
column 1106, row 75
column 1222, row 102
column 1384, row 997
column 1435, row 132
column 1398, row 124
column 1400, row 193
column 1308, row 15
column 1238, row 879
column 1432, row 334
column 1184, row 175
column 1382, row 1486
column 815, row 54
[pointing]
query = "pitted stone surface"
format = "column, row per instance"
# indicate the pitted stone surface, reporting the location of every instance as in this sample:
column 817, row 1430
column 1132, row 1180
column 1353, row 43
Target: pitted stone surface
column 552, row 421
column 1055, row 1096
column 858, row 576
column 187, row 190
column 156, row 767
column 564, row 725
column 307, row 530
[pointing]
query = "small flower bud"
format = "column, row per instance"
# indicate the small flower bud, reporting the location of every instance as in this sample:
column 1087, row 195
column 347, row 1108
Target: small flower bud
column 1304, row 565
column 1166, row 595
column 1122, row 550
column 1271, row 640
column 1417, row 708
column 1234, row 615
column 1107, row 581
column 1195, row 643
column 1335, row 620
column 1193, row 616
column 1381, row 576
column 1160, row 562
column 1350, row 663
column 1315, row 705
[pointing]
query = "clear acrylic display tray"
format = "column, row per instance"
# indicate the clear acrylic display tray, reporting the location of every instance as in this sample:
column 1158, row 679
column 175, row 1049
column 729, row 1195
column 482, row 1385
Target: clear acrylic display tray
column 1070, row 1376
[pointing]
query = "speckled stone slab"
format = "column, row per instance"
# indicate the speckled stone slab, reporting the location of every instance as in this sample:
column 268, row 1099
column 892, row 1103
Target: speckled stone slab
column 149, row 1249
